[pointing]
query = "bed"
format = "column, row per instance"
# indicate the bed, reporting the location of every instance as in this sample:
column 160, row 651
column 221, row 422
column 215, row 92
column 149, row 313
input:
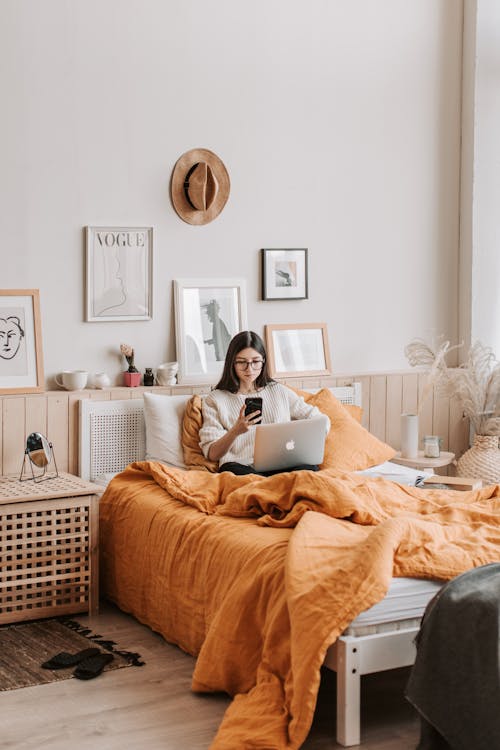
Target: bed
column 143, row 544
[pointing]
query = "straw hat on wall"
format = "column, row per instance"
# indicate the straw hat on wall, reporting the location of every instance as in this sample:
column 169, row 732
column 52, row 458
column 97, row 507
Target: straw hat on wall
column 200, row 186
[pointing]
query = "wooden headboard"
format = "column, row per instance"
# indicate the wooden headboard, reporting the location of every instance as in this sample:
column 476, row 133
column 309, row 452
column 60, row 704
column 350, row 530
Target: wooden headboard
column 384, row 397
column 111, row 436
column 112, row 433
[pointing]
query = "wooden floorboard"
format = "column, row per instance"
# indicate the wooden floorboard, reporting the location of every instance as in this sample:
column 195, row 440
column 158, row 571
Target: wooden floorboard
column 153, row 708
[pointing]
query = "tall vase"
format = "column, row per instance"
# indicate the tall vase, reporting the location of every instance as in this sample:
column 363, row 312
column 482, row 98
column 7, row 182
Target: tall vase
column 482, row 460
column 409, row 435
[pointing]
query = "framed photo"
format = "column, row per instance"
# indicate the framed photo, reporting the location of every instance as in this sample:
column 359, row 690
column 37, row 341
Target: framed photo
column 208, row 313
column 21, row 361
column 297, row 349
column 119, row 273
column 284, row 274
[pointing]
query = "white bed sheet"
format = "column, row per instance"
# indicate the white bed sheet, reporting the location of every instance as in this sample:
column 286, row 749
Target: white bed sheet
column 406, row 599
column 396, row 473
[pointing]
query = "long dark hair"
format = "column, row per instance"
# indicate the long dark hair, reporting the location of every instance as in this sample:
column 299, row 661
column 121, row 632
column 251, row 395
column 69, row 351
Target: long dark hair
column 243, row 340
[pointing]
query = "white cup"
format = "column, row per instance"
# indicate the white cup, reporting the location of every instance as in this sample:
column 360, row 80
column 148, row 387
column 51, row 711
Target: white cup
column 72, row 380
column 99, row 380
column 165, row 373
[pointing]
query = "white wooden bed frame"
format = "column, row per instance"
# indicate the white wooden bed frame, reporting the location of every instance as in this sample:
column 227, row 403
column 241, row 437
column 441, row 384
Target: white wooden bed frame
column 112, row 435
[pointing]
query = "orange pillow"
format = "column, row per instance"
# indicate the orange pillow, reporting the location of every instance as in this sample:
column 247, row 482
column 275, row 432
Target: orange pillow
column 356, row 412
column 190, row 438
column 349, row 446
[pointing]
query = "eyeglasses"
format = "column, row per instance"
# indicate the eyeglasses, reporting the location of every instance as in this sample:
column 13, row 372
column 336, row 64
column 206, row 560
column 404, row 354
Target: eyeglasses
column 244, row 364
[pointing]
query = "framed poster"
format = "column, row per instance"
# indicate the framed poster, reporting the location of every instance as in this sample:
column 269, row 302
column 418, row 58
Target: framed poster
column 208, row 313
column 284, row 274
column 21, row 361
column 119, row 273
column 297, row 349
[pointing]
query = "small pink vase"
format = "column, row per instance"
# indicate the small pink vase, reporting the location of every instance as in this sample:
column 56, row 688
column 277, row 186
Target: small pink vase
column 132, row 379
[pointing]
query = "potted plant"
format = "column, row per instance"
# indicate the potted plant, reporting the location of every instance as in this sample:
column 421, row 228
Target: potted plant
column 476, row 383
column 132, row 376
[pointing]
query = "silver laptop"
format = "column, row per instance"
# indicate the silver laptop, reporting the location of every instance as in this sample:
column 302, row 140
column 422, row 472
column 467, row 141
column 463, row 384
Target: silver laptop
column 286, row 444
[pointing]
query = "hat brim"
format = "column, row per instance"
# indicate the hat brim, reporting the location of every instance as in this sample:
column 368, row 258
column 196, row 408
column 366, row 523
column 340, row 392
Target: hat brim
column 179, row 201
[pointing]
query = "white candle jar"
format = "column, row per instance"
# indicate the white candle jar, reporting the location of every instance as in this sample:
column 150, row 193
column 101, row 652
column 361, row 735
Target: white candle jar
column 432, row 447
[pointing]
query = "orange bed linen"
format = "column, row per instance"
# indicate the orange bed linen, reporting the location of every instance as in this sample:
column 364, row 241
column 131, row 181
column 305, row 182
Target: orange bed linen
column 258, row 576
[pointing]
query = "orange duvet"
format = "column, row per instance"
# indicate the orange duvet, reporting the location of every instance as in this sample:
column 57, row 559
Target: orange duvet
column 258, row 576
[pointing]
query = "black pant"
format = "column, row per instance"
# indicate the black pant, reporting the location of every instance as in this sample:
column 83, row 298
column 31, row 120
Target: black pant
column 235, row 468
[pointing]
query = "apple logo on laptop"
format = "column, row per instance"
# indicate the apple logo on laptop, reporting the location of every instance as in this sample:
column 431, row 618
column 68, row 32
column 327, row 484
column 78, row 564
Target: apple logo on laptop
column 290, row 445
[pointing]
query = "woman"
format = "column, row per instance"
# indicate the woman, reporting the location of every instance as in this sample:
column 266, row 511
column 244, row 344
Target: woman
column 227, row 435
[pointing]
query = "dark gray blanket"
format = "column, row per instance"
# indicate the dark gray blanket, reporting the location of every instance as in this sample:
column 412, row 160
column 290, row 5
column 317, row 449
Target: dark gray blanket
column 455, row 683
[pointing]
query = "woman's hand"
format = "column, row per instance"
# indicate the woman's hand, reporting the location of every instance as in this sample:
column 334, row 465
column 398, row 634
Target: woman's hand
column 242, row 425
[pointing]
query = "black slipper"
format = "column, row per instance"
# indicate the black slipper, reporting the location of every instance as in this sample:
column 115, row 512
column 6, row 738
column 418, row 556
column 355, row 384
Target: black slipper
column 62, row 660
column 92, row 667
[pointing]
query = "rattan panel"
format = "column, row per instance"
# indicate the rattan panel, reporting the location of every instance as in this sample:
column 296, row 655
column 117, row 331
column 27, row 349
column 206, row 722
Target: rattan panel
column 117, row 440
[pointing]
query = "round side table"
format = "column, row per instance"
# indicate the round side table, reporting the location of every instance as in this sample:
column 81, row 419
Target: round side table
column 424, row 462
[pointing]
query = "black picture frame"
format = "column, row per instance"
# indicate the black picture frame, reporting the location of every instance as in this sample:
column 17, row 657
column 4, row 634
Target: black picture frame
column 284, row 273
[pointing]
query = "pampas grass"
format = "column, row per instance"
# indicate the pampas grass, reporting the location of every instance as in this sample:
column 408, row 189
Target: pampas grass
column 476, row 382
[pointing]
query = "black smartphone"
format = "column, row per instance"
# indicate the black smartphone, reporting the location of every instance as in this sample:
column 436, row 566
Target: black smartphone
column 253, row 403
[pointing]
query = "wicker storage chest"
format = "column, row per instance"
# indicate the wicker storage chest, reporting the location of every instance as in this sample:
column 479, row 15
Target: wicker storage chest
column 48, row 548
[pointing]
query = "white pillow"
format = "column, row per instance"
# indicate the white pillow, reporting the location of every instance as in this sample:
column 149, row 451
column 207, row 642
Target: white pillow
column 163, row 416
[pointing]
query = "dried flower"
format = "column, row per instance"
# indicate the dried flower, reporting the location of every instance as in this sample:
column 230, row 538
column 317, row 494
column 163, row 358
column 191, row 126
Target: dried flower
column 128, row 353
column 476, row 382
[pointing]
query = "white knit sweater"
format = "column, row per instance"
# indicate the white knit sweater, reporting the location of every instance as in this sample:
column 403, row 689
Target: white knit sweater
column 221, row 410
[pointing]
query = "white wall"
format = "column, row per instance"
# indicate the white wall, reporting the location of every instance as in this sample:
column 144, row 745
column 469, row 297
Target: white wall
column 485, row 276
column 339, row 123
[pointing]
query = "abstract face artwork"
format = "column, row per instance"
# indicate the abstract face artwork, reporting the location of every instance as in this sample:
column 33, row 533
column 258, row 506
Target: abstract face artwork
column 21, row 357
column 11, row 334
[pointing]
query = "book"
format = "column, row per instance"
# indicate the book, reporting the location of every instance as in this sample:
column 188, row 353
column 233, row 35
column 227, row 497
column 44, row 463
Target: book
column 455, row 483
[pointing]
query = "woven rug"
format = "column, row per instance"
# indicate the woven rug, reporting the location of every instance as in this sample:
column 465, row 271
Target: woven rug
column 25, row 646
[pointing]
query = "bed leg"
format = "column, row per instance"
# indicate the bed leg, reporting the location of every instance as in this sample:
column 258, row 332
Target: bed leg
column 348, row 694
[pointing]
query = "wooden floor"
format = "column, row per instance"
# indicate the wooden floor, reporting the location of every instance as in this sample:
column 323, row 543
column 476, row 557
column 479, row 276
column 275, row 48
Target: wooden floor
column 153, row 708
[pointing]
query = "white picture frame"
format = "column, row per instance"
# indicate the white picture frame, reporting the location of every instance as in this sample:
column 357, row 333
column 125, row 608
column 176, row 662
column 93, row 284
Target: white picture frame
column 297, row 349
column 119, row 266
column 208, row 313
column 21, row 360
